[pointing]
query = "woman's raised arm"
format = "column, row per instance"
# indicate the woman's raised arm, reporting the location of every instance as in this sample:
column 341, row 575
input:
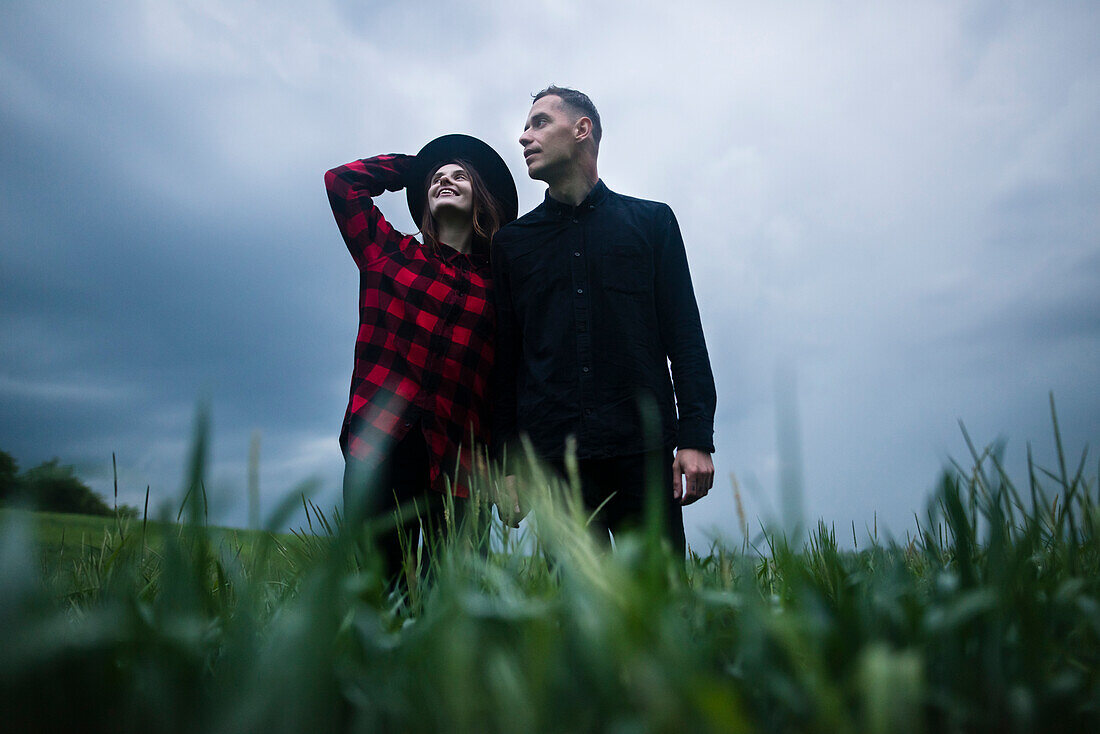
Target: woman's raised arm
column 350, row 188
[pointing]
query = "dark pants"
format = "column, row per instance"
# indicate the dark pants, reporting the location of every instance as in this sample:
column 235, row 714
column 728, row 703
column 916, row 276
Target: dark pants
column 630, row 481
column 395, row 497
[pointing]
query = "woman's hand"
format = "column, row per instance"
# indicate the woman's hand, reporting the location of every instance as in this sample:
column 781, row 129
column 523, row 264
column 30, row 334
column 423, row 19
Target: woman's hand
column 404, row 165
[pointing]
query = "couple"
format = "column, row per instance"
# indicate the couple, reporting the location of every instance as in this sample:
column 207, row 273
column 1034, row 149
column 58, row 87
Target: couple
column 560, row 323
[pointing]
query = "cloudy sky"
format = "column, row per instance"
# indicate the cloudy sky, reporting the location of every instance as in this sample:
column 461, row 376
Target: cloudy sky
column 892, row 214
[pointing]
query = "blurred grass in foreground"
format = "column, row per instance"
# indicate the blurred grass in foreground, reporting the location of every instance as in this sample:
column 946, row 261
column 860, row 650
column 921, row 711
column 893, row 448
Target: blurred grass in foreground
column 988, row 619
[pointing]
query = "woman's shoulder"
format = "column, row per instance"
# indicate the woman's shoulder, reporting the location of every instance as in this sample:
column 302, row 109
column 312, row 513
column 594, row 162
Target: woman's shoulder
column 405, row 251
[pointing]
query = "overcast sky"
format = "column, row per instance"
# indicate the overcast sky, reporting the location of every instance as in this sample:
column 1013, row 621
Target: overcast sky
column 891, row 211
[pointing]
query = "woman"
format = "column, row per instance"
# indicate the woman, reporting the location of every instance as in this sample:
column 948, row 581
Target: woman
column 424, row 351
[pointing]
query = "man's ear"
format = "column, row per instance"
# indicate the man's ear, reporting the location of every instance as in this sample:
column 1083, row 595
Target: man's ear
column 582, row 129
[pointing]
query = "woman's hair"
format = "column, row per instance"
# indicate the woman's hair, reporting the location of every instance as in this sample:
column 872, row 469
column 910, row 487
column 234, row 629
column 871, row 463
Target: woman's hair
column 487, row 212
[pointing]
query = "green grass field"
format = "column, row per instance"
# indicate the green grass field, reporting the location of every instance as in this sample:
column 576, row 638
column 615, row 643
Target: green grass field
column 62, row 538
column 989, row 620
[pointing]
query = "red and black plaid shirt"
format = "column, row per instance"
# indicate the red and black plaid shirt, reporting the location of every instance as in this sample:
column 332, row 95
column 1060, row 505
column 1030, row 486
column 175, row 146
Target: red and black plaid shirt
column 424, row 350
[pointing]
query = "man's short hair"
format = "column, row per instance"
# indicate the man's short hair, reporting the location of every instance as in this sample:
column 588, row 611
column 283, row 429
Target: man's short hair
column 578, row 102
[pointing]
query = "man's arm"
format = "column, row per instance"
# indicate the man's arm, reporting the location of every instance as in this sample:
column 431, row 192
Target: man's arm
column 506, row 363
column 682, row 336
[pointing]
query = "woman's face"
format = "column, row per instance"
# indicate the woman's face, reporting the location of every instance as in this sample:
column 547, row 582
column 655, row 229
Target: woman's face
column 450, row 192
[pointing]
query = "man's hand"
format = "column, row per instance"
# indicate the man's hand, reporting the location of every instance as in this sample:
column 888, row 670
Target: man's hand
column 508, row 505
column 698, row 469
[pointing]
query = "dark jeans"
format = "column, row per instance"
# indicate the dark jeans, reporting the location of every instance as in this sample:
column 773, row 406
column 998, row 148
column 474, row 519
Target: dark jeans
column 629, row 481
column 373, row 493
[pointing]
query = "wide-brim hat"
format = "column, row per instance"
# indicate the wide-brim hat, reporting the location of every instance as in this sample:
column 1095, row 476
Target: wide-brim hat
column 490, row 166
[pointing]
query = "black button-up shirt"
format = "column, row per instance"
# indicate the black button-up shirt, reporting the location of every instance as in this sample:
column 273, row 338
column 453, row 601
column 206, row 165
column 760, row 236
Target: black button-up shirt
column 593, row 303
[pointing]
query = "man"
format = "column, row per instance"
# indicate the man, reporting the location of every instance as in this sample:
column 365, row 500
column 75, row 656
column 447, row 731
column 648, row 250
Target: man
column 594, row 300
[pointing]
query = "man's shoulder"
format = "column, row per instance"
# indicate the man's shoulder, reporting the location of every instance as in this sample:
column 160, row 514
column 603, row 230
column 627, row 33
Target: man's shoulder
column 648, row 209
column 639, row 202
column 534, row 216
column 518, row 229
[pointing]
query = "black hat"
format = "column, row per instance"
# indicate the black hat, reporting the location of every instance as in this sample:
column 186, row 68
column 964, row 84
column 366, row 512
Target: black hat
column 490, row 166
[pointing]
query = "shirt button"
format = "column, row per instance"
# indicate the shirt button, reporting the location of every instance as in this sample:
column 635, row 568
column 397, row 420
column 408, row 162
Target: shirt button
column 580, row 291
column 576, row 254
column 588, row 411
column 584, row 369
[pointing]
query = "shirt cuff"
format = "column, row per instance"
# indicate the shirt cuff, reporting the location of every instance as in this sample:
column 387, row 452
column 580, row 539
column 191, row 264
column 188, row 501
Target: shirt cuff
column 696, row 433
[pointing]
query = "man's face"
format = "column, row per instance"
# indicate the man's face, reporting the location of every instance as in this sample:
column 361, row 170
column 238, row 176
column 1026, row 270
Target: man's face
column 548, row 138
column 450, row 188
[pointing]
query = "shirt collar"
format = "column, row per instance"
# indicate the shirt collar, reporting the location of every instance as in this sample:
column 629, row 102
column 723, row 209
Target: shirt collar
column 595, row 197
column 479, row 256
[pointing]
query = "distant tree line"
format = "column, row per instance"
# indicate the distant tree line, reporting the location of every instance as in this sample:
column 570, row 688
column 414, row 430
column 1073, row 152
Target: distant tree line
column 51, row 487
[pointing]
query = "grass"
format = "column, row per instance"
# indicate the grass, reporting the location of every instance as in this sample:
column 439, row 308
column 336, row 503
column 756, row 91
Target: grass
column 986, row 619
column 62, row 539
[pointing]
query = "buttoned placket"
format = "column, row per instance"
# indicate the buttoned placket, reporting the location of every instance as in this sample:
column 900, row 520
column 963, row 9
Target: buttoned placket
column 578, row 261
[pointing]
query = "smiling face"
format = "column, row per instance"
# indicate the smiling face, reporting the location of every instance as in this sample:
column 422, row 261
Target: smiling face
column 450, row 192
column 549, row 138
column 456, row 191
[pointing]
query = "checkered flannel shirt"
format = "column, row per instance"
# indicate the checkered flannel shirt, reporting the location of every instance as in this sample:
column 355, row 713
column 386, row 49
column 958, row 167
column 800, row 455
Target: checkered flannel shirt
column 425, row 346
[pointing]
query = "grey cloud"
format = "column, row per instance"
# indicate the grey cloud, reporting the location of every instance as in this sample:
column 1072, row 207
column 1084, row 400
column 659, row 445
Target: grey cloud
column 899, row 203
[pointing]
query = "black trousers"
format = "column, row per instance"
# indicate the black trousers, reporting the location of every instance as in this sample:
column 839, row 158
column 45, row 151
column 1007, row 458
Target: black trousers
column 632, row 483
column 400, row 484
